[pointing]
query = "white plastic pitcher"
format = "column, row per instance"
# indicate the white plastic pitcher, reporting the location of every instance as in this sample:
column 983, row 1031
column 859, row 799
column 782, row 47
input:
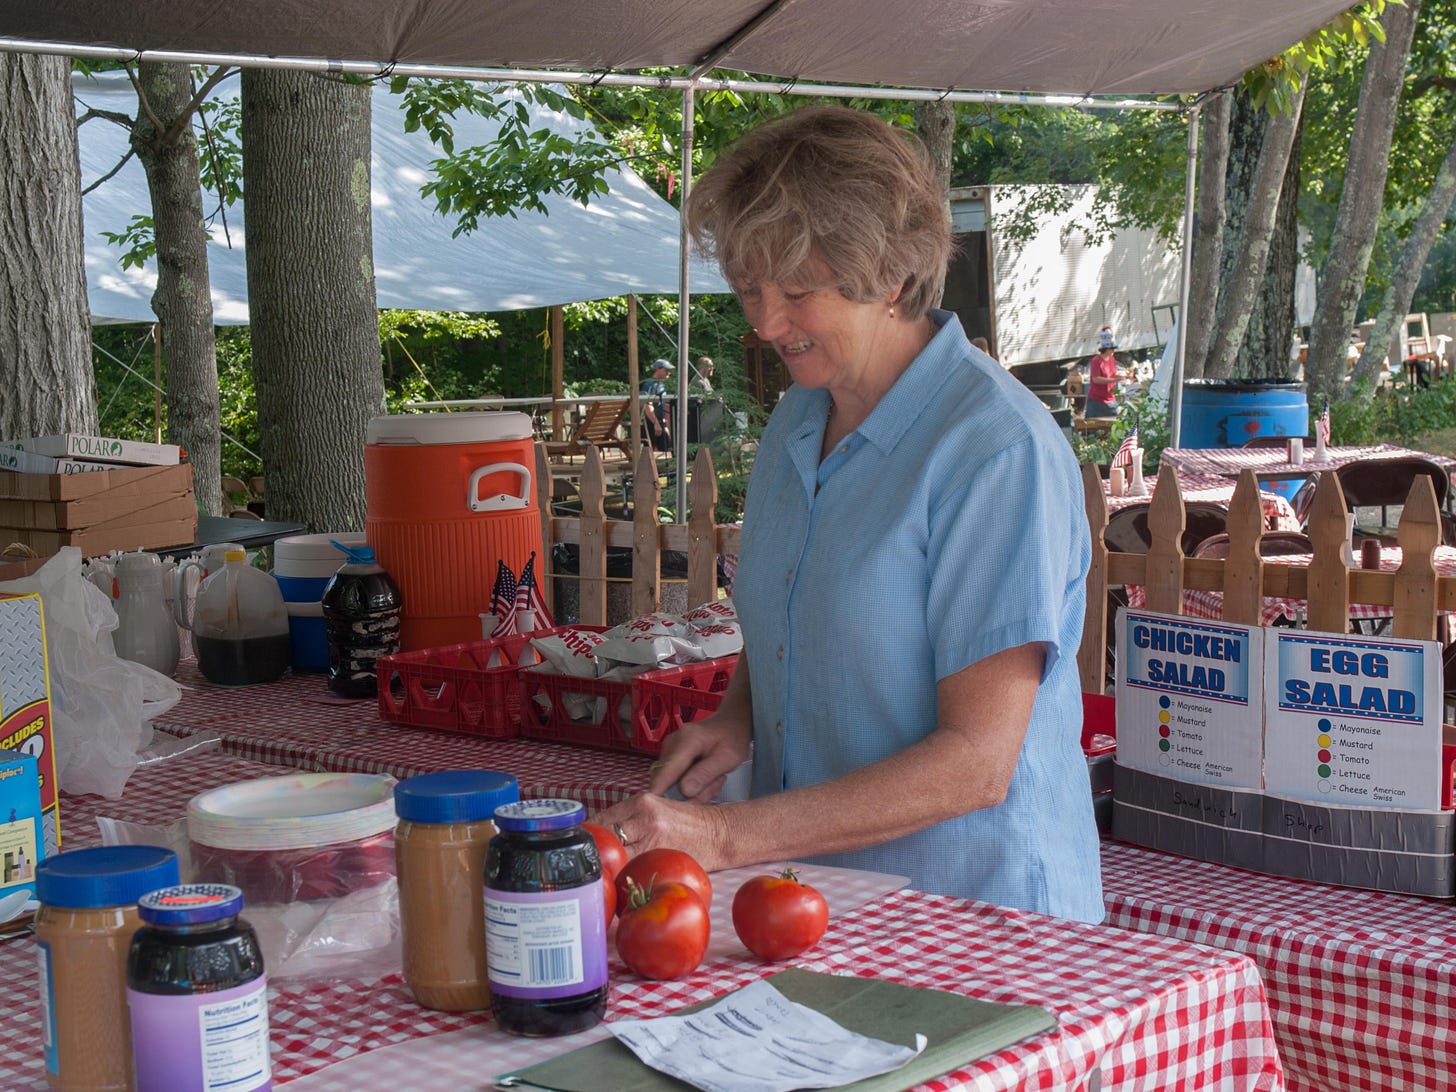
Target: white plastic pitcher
column 240, row 625
column 145, row 632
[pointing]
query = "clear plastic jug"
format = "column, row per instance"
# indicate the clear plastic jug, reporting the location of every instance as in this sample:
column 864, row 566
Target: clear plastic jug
column 144, row 632
column 240, row 625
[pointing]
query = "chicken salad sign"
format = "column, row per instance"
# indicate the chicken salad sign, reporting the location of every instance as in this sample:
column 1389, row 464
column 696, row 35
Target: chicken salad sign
column 1190, row 698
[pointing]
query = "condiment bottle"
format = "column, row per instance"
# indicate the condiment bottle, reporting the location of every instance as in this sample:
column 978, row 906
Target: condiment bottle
column 197, row 993
column 84, row 926
column 545, row 920
column 445, row 827
column 361, row 605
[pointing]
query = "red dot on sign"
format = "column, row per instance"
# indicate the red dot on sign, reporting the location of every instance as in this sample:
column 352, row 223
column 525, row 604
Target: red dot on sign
column 1163, row 731
column 1324, row 756
column 1251, row 427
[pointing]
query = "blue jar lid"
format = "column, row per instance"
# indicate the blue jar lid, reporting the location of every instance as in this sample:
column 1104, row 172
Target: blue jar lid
column 454, row 796
column 190, row 904
column 82, row 879
column 529, row 815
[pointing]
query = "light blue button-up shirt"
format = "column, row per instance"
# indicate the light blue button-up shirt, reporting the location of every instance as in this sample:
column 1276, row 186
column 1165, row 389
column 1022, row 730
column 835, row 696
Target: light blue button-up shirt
column 949, row 526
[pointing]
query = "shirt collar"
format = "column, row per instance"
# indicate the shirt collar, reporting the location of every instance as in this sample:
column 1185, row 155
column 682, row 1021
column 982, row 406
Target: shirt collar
column 917, row 386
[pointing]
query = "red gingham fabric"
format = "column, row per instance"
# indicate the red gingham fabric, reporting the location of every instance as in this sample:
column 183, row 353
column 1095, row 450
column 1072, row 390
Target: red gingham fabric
column 1229, row 461
column 296, row 722
column 1359, row 982
column 1146, row 1013
column 1209, row 604
column 1278, row 512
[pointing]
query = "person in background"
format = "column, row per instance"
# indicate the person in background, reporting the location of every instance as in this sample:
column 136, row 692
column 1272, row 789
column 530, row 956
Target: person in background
column 703, row 374
column 911, row 584
column 1103, row 375
column 982, row 344
column 655, row 412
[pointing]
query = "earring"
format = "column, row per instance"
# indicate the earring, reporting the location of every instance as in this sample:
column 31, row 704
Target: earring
column 892, row 310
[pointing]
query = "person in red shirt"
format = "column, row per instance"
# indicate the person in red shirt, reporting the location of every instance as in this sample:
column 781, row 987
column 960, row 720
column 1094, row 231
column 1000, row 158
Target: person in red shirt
column 1103, row 375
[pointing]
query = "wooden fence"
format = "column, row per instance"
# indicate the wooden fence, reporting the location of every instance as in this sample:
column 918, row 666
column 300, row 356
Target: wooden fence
column 1414, row 592
column 592, row 533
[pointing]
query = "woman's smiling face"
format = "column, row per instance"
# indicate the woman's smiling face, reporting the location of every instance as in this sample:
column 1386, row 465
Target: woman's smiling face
column 823, row 338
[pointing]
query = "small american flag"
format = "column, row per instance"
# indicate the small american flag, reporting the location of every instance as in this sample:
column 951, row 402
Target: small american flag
column 503, row 598
column 1323, row 425
column 1123, row 455
column 536, row 599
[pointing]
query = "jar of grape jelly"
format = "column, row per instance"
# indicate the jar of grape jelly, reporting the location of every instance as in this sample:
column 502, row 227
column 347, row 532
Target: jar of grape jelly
column 197, row 993
column 545, row 920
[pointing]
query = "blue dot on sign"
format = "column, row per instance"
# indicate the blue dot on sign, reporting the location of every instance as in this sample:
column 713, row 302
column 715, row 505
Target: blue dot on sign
column 1163, row 701
column 1324, row 724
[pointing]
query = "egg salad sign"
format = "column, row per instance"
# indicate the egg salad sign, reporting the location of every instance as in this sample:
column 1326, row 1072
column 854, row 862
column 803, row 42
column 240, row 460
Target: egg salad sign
column 1353, row 721
column 1190, row 698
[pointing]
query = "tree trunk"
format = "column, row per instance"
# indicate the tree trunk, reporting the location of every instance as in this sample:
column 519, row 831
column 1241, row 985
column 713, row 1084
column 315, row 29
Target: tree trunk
column 1208, row 232
column 315, row 331
column 1250, row 259
column 935, row 124
column 164, row 142
column 1381, row 342
column 1361, row 200
column 46, row 382
column 1265, row 351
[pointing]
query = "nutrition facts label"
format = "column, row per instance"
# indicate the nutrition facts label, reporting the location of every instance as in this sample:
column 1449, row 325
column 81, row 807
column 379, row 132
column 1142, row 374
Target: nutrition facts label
column 1353, row 721
column 1189, row 700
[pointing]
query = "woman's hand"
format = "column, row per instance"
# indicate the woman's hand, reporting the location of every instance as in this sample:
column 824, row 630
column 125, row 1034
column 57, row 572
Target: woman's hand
column 650, row 822
column 697, row 758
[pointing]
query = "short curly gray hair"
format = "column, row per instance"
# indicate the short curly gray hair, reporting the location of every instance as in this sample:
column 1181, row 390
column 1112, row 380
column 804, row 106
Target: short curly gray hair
column 830, row 186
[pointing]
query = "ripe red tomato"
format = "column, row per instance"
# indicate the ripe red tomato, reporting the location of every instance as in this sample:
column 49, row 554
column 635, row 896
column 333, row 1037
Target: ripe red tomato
column 664, row 866
column 609, row 899
column 777, row 917
column 611, row 850
column 663, row 930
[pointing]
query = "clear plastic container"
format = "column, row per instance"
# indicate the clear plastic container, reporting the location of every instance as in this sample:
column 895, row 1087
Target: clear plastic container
column 240, row 625
column 84, row 927
column 361, row 605
column 445, row 828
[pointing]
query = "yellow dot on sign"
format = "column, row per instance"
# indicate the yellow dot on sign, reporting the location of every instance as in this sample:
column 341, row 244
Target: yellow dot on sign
column 1323, row 741
column 1163, row 716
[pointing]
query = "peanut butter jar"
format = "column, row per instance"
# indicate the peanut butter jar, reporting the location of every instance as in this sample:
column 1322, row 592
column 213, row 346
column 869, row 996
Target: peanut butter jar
column 84, row 927
column 445, row 827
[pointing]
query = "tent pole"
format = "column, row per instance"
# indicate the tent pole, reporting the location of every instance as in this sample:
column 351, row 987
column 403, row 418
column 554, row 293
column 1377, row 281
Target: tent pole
column 634, row 373
column 1175, row 397
column 157, row 379
column 558, row 358
column 680, row 429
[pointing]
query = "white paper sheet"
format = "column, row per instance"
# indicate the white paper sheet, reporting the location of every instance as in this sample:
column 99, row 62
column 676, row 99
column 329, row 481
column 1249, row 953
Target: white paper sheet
column 757, row 1040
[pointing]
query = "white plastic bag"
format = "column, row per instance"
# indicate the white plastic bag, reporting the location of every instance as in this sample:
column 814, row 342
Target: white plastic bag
column 100, row 703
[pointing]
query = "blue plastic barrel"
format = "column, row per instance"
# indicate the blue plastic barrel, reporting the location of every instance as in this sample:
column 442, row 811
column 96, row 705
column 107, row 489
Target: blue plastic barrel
column 1230, row 412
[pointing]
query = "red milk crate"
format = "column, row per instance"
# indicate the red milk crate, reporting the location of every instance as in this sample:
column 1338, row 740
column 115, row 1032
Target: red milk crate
column 636, row 714
column 452, row 688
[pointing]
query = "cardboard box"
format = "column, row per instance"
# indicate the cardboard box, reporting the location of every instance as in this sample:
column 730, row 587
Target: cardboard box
column 25, row 702
column 18, row 459
column 102, row 539
column 105, row 449
column 22, row 843
column 97, row 511
column 138, row 482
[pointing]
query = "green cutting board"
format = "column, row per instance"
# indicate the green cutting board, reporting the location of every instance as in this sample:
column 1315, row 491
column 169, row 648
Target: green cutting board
column 959, row 1029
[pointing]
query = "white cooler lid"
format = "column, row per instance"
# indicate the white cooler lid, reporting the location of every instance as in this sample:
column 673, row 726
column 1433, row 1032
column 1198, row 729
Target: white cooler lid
column 315, row 547
column 448, row 428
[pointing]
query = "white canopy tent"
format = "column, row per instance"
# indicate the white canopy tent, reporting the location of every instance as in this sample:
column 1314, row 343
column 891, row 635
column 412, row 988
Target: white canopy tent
column 625, row 241
column 1019, row 51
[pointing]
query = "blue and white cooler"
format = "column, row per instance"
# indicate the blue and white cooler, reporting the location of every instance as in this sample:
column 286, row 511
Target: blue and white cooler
column 302, row 566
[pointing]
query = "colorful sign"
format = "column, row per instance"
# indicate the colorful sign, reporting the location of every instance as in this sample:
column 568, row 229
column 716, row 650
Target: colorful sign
column 1190, row 699
column 1351, row 720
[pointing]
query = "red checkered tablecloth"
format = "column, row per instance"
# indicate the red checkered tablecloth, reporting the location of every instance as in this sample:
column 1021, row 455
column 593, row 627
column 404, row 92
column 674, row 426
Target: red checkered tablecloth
column 297, row 722
column 1273, row 461
column 1359, row 981
column 1137, row 1012
column 1209, row 604
column 1278, row 512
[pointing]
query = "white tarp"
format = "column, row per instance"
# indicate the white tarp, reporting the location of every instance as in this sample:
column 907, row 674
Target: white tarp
column 1109, row 47
column 624, row 241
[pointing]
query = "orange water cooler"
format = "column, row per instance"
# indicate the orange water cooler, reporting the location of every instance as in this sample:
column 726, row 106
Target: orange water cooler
column 447, row 497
